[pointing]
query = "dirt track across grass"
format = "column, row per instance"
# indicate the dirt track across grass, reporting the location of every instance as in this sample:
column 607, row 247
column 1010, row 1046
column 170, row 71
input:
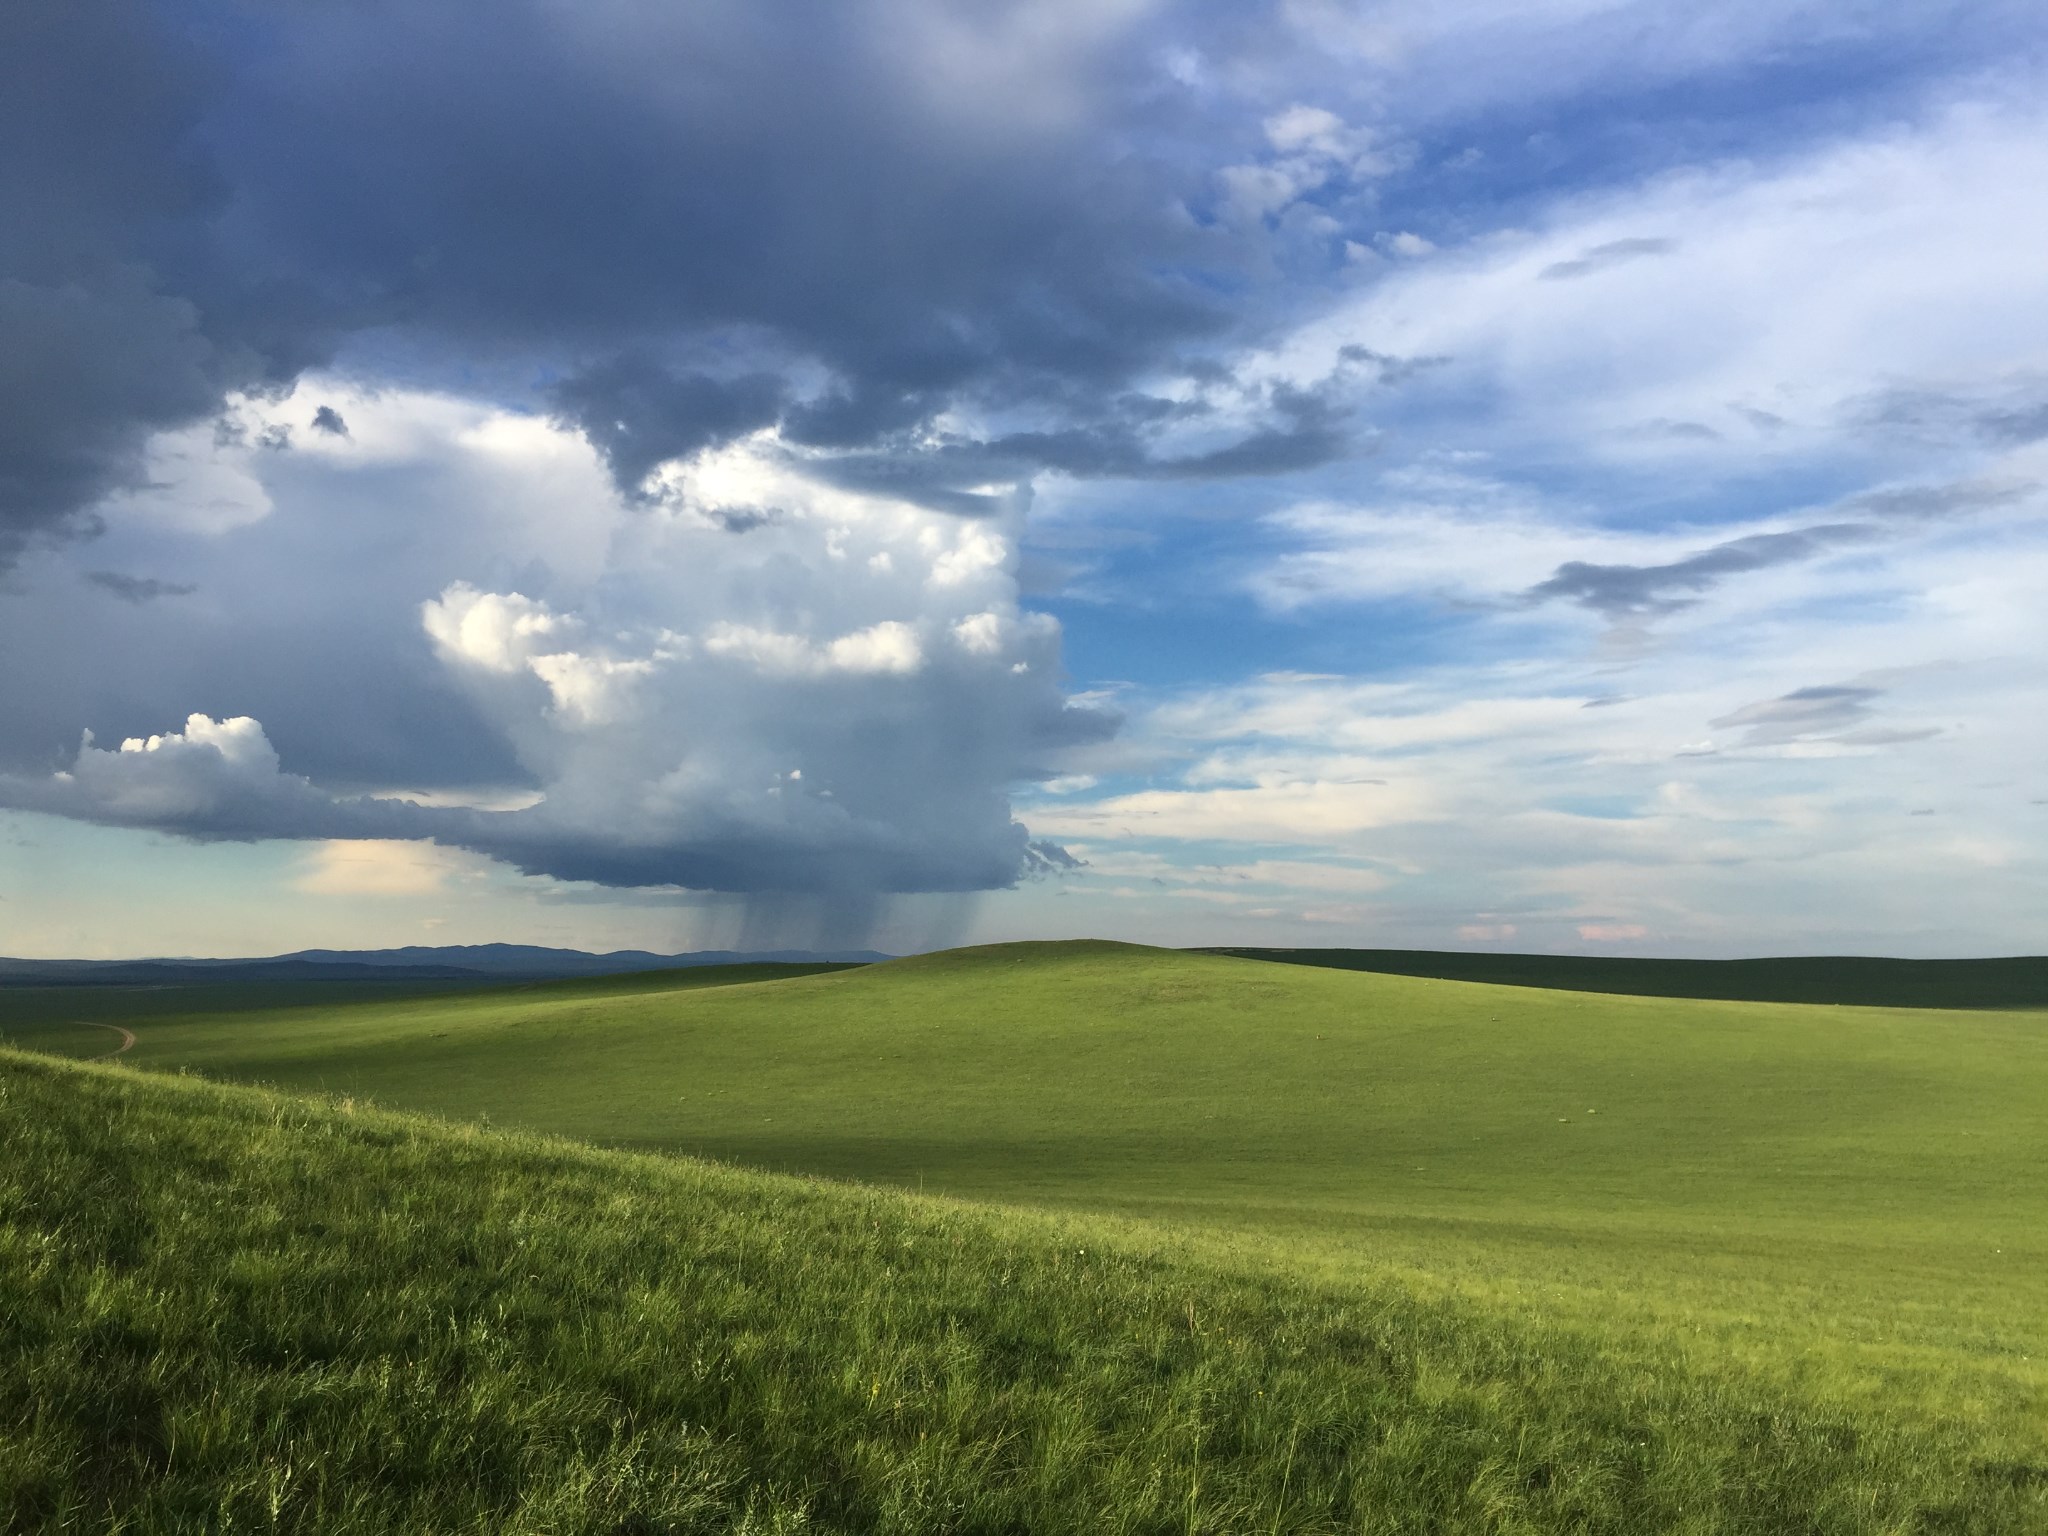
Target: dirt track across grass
column 127, row 1038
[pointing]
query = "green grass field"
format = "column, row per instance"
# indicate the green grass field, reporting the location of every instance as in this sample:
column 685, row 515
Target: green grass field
column 1834, row 1215
column 42, row 1018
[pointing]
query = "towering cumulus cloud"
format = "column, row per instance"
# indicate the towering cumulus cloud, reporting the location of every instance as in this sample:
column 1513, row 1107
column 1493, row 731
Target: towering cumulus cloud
column 644, row 524
column 653, row 517
column 832, row 700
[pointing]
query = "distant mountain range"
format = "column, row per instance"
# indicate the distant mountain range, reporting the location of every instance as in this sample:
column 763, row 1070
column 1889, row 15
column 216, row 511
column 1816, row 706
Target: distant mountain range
column 414, row 962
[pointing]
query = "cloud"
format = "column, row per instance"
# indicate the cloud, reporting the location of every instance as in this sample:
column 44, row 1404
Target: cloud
column 1485, row 933
column 1522, row 79
column 1612, row 933
column 374, row 867
column 640, row 415
column 1221, row 431
column 1617, row 591
column 604, row 442
column 1298, row 812
column 1892, row 262
column 2017, row 427
column 687, row 224
column 138, row 589
column 496, row 632
column 215, row 779
column 1488, row 797
column 2007, row 413
column 835, row 707
column 890, row 646
column 1310, row 149
column 1477, row 542
column 1825, row 712
column 702, row 217
column 112, row 325
column 1610, row 253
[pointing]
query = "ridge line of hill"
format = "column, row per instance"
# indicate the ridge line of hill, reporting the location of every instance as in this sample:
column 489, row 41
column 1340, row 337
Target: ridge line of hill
column 419, row 962
column 2017, row 981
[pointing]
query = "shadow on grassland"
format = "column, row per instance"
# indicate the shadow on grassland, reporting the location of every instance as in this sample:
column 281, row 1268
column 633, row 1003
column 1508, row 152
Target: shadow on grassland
column 2011, row 982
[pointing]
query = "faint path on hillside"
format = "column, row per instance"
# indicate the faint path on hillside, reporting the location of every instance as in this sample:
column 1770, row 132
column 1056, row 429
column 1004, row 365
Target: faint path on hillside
column 127, row 1038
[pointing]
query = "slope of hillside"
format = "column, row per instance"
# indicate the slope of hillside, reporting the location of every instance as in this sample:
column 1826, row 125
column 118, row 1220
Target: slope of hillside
column 1856, row 1191
column 221, row 1309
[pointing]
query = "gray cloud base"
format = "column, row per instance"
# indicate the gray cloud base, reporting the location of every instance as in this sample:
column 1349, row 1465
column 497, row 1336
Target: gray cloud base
column 222, row 783
column 687, row 221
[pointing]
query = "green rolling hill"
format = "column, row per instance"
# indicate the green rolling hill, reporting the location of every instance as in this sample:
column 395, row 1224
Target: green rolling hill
column 1840, row 1210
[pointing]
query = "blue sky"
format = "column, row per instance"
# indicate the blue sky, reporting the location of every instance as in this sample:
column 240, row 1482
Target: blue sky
column 1556, row 477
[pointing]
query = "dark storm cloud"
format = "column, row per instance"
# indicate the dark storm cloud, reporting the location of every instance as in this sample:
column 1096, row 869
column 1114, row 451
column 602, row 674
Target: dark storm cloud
column 137, row 589
column 139, row 285
column 696, row 220
column 328, row 420
column 926, row 204
column 98, row 347
column 638, row 414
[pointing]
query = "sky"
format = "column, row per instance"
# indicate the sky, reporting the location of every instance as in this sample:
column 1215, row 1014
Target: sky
column 1565, row 476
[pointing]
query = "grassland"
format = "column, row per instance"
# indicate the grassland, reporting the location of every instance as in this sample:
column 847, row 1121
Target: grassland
column 41, row 1018
column 1833, row 1216
column 228, row 1310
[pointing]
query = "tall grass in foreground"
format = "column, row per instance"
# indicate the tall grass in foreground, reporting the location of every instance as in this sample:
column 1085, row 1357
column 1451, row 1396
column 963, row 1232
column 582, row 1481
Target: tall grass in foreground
column 227, row 1310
